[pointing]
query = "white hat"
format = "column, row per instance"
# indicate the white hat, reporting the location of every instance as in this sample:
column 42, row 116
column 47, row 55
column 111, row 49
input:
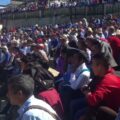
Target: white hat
column 5, row 48
column 118, row 32
column 90, row 29
column 36, row 25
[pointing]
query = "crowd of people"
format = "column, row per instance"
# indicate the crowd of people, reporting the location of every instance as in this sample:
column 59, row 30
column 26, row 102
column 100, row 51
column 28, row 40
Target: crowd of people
column 62, row 72
column 36, row 5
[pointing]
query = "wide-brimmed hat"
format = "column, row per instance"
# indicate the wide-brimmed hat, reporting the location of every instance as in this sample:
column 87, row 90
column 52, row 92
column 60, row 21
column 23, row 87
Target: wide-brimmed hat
column 71, row 51
column 89, row 29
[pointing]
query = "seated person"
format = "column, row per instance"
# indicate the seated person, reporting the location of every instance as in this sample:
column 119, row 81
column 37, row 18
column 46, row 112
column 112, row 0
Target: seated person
column 61, row 61
column 79, row 74
column 44, row 85
column 105, row 89
column 79, row 77
column 20, row 93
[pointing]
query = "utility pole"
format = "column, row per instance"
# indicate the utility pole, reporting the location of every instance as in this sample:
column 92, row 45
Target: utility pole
column 71, row 11
column 104, row 8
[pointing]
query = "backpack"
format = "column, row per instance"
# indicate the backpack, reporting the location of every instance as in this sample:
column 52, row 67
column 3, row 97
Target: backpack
column 42, row 77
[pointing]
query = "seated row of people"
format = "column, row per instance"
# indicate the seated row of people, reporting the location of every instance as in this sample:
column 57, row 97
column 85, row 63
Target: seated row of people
column 78, row 101
column 86, row 81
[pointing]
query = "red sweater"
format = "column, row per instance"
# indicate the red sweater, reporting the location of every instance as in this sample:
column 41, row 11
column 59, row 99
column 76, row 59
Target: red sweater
column 107, row 92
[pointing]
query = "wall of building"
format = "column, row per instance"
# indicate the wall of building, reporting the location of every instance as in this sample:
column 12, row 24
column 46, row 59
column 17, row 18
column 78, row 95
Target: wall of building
column 32, row 21
column 54, row 16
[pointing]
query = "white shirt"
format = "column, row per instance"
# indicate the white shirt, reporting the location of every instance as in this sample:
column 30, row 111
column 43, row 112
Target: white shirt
column 2, row 57
column 35, row 114
column 78, row 79
column 44, row 55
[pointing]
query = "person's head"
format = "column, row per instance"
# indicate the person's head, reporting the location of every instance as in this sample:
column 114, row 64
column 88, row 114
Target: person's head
column 111, row 30
column 20, row 88
column 89, row 31
column 100, row 64
column 14, row 50
column 94, row 45
column 63, row 39
column 69, row 54
column 88, row 42
column 76, row 61
column 78, row 58
column 81, row 44
column 118, row 33
column 100, row 31
column 24, row 62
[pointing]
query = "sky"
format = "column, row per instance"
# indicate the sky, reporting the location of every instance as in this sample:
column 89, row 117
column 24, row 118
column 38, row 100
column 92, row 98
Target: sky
column 4, row 2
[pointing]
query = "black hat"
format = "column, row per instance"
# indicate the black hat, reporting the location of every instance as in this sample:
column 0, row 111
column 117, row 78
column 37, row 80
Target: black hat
column 28, row 58
column 71, row 51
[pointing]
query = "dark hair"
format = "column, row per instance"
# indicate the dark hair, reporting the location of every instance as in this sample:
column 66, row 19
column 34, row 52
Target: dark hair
column 95, row 42
column 83, row 56
column 73, row 43
column 80, row 58
column 80, row 38
column 102, row 59
column 22, row 82
column 82, row 42
column 64, row 50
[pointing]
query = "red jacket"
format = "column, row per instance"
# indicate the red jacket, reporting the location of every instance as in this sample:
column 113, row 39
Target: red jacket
column 53, row 99
column 107, row 92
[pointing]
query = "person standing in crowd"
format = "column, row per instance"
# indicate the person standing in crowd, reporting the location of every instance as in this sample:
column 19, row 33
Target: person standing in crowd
column 114, row 42
column 20, row 92
column 100, row 33
column 83, row 46
column 97, row 46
